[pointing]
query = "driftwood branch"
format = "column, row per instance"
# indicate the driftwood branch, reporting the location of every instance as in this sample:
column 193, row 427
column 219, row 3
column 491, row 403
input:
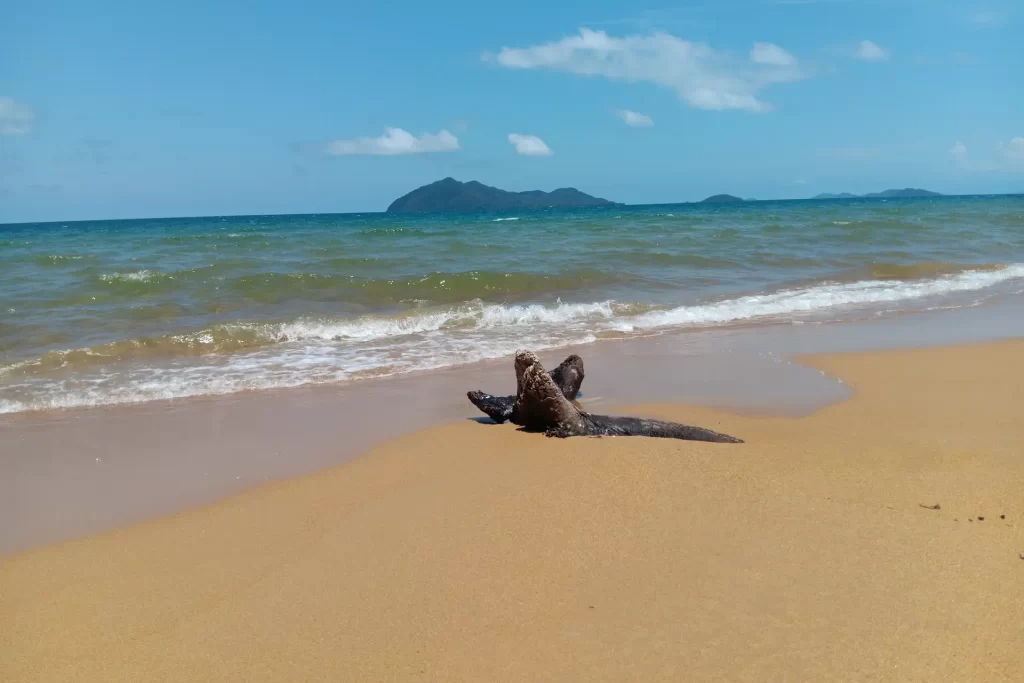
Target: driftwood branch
column 543, row 404
column 568, row 377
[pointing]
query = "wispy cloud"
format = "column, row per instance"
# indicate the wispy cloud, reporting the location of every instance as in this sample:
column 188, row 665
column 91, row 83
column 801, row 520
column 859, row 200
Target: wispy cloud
column 986, row 17
column 16, row 118
column 1008, row 156
column 871, row 52
column 769, row 53
column 395, row 141
column 959, row 154
column 635, row 118
column 703, row 77
column 529, row 145
column 1013, row 152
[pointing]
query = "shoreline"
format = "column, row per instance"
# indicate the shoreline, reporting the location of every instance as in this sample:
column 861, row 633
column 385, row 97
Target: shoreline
column 472, row 552
column 72, row 473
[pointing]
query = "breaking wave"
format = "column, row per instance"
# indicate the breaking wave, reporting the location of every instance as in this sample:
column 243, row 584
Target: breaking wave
column 247, row 355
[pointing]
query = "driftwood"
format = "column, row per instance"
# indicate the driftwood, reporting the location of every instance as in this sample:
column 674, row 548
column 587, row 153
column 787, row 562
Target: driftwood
column 568, row 377
column 541, row 405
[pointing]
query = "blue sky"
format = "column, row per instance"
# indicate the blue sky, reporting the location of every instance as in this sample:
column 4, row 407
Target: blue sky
column 120, row 109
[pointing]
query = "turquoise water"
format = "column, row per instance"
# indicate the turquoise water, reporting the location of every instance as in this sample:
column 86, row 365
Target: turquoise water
column 105, row 312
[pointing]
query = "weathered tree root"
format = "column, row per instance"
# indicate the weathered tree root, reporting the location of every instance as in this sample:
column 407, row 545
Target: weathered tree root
column 568, row 377
column 541, row 405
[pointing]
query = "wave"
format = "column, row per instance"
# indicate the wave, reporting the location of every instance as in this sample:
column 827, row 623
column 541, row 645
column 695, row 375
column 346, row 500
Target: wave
column 511, row 218
column 214, row 237
column 57, row 259
column 438, row 288
column 143, row 275
column 822, row 298
column 924, row 269
column 662, row 258
column 246, row 336
column 249, row 355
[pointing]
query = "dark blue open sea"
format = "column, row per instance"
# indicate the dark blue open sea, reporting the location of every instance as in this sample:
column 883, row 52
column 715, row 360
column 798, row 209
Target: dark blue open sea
column 109, row 312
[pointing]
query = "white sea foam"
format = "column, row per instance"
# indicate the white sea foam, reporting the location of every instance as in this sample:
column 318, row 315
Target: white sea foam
column 474, row 315
column 316, row 351
column 499, row 220
column 137, row 276
column 821, row 298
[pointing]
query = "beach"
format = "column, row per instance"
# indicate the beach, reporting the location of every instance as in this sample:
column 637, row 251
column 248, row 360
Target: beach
column 876, row 538
column 278, row 291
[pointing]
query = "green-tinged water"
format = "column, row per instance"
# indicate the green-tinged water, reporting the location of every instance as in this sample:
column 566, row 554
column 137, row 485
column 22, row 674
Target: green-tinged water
column 124, row 311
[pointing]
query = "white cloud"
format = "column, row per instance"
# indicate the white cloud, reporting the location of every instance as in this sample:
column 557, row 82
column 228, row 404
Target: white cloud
column 394, row 141
column 635, row 118
column 959, row 153
column 1013, row 152
column 703, row 77
column 769, row 53
column 1009, row 156
column 871, row 52
column 15, row 117
column 529, row 145
column 986, row 18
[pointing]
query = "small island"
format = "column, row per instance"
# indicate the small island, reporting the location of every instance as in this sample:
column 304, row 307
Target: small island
column 450, row 195
column 721, row 199
column 905, row 192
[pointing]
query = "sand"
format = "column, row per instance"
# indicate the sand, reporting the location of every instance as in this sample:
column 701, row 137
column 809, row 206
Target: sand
column 471, row 552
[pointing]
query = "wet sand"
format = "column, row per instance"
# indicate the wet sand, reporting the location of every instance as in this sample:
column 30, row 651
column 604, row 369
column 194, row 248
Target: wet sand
column 67, row 474
column 471, row 552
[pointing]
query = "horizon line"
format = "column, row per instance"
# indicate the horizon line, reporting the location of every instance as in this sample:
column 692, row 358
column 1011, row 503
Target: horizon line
column 463, row 213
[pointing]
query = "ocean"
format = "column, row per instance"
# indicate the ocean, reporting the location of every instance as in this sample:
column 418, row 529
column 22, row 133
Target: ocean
column 116, row 312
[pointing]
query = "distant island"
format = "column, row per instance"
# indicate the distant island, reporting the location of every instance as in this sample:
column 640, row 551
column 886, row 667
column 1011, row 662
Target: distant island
column 906, row 192
column 450, row 195
column 721, row 199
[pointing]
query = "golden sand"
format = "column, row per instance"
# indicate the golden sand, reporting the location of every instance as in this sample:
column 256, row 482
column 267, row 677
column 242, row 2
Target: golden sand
column 480, row 553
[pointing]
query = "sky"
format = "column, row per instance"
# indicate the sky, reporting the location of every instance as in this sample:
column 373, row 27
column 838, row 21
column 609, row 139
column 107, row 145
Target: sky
column 127, row 109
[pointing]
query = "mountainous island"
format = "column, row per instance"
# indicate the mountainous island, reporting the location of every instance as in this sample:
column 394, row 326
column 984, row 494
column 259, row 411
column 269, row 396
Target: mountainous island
column 906, row 192
column 721, row 199
column 450, row 195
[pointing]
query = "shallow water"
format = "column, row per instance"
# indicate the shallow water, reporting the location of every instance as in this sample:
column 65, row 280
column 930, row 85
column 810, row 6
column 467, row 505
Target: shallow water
column 110, row 312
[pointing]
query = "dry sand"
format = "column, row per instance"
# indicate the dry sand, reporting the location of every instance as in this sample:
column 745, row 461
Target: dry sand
column 479, row 553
